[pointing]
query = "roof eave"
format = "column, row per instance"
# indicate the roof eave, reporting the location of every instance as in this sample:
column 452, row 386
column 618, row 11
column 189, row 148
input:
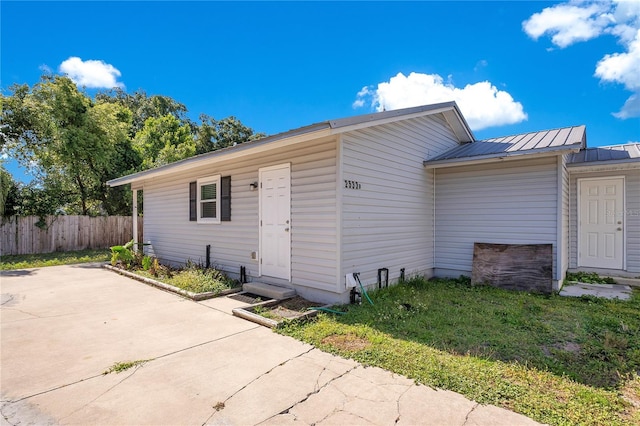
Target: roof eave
column 450, row 111
column 316, row 131
column 503, row 156
column 628, row 163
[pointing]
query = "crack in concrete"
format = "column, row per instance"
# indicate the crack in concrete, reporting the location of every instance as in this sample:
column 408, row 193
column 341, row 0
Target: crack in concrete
column 398, row 403
column 24, row 312
column 318, row 389
column 148, row 360
column 7, row 308
column 103, row 393
column 256, row 379
column 11, row 297
column 466, row 419
column 56, row 388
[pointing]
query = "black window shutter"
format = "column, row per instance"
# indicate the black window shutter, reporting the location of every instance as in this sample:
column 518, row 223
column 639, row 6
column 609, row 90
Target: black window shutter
column 225, row 198
column 193, row 201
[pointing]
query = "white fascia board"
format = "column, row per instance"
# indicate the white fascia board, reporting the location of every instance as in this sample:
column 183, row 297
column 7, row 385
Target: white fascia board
column 459, row 125
column 503, row 156
column 366, row 124
column 604, row 166
column 237, row 152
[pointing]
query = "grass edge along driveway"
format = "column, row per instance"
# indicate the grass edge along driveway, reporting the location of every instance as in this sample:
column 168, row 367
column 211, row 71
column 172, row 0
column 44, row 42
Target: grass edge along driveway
column 561, row 361
column 26, row 261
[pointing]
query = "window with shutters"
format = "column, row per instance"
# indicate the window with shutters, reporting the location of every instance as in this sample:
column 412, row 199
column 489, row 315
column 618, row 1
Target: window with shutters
column 208, row 201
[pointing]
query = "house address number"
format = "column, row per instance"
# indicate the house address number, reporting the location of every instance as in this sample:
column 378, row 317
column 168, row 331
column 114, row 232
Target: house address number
column 352, row 184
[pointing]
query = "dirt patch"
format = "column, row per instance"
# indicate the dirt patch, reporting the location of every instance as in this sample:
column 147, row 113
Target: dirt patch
column 572, row 347
column 272, row 313
column 288, row 309
column 631, row 392
column 347, row 342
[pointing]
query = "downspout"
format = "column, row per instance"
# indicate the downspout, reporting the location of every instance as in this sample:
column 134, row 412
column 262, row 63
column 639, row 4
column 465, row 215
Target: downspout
column 559, row 223
column 134, row 214
column 433, row 224
column 340, row 286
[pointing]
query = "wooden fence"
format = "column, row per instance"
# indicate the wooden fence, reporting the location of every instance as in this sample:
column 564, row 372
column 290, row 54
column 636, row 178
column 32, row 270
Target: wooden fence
column 21, row 235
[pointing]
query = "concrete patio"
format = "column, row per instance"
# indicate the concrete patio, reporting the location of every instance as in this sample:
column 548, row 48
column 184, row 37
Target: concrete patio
column 63, row 327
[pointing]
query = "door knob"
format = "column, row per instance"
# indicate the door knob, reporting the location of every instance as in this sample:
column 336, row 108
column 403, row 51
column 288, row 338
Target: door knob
column 620, row 229
column 286, row 229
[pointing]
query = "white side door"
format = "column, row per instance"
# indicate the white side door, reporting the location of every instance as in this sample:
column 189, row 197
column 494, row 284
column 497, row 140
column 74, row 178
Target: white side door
column 601, row 223
column 275, row 217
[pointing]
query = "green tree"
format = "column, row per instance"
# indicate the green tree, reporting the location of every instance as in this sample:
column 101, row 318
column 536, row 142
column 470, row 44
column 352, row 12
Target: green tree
column 163, row 140
column 144, row 107
column 73, row 143
column 215, row 134
column 9, row 193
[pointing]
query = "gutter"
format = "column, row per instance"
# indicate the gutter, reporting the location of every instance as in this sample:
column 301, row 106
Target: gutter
column 605, row 163
column 502, row 156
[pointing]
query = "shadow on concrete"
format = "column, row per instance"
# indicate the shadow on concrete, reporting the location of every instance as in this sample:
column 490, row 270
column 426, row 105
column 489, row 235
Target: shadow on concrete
column 91, row 265
column 18, row 273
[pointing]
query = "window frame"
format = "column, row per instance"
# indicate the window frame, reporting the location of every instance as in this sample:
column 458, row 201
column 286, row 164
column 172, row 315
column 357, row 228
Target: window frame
column 199, row 184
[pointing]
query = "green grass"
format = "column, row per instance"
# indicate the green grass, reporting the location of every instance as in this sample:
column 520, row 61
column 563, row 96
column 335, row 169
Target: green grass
column 24, row 261
column 588, row 278
column 119, row 367
column 194, row 279
column 562, row 361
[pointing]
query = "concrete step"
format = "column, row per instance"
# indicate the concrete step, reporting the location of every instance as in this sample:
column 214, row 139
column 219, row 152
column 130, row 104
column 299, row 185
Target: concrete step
column 268, row 290
column 607, row 291
column 632, row 282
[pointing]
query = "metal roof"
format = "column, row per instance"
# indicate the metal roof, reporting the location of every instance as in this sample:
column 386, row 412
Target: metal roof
column 546, row 141
column 612, row 154
column 449, row 109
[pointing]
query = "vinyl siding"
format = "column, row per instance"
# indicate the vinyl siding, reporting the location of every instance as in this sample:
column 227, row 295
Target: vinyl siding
column 388, row 222
column 513, row 202
column 632, row 215
column 313, row 214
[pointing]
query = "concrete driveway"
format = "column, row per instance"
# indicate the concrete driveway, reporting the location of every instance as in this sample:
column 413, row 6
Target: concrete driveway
column 63, row 327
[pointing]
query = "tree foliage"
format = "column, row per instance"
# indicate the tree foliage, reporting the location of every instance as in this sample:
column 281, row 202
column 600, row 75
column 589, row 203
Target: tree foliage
column 8, row 193
column 73, row 143
column 214, row 134
column 163, row 140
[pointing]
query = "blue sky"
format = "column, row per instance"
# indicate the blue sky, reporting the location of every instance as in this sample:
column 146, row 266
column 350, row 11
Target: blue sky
column 512, row 66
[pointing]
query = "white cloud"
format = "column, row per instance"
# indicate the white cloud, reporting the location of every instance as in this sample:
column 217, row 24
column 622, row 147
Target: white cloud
column 482, row 104
column 91, row 73
column 578, row 20
column 623, row 68
column 630, row 109
column 569, row 23
column 481, row 64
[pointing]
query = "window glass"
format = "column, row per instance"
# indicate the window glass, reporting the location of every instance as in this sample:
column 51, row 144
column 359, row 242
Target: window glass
column 208, row 209
column 208, row 192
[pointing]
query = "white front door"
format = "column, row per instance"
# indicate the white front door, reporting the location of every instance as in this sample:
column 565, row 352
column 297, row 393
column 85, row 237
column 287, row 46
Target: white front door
column 275, row 217
column 601, row 224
